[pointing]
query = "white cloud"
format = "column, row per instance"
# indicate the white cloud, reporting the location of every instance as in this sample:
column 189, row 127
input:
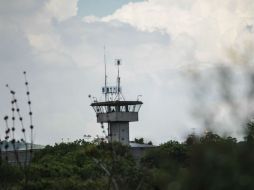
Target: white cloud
column 62, row 9
column 214, row 26
column 90, row 19
column 43, row 42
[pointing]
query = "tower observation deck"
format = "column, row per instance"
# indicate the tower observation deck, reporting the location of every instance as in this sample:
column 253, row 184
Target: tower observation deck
column 116, row 111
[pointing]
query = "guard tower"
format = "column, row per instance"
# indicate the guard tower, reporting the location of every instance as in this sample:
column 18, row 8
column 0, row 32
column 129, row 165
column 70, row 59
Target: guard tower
column 116, row 111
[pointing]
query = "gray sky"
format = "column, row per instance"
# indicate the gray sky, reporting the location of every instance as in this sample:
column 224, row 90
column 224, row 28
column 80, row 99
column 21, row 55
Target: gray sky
column 60, row 44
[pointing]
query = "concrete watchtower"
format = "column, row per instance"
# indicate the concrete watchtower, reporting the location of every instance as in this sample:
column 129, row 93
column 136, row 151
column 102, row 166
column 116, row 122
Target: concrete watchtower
column 116, row 111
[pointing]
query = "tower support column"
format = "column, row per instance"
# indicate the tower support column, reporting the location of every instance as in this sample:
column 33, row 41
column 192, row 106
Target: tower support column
column 119, row 132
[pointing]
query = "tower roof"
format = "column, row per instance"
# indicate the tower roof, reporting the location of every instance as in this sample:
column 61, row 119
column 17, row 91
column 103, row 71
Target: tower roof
column 116, row 103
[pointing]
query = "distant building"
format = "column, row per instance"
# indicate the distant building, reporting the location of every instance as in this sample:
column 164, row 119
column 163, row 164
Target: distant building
column 18, row 152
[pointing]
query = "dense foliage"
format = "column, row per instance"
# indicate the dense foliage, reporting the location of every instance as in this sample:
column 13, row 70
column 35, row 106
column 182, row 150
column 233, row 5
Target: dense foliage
column 209, row 162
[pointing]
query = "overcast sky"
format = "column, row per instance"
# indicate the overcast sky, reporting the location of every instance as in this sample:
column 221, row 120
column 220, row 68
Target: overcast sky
column 60, row 44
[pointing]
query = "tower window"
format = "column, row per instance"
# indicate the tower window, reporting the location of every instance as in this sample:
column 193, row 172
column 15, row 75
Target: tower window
column 122, row 139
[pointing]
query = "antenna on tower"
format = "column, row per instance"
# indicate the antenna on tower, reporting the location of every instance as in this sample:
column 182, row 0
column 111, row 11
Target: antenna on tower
column 105, row 70
column 118, row 63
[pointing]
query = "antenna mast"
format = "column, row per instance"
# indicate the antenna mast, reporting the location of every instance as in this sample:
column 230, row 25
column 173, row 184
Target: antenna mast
column 118, row 63
column 105, row 69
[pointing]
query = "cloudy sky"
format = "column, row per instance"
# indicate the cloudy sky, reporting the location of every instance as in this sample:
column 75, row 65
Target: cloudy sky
column 60, row 44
